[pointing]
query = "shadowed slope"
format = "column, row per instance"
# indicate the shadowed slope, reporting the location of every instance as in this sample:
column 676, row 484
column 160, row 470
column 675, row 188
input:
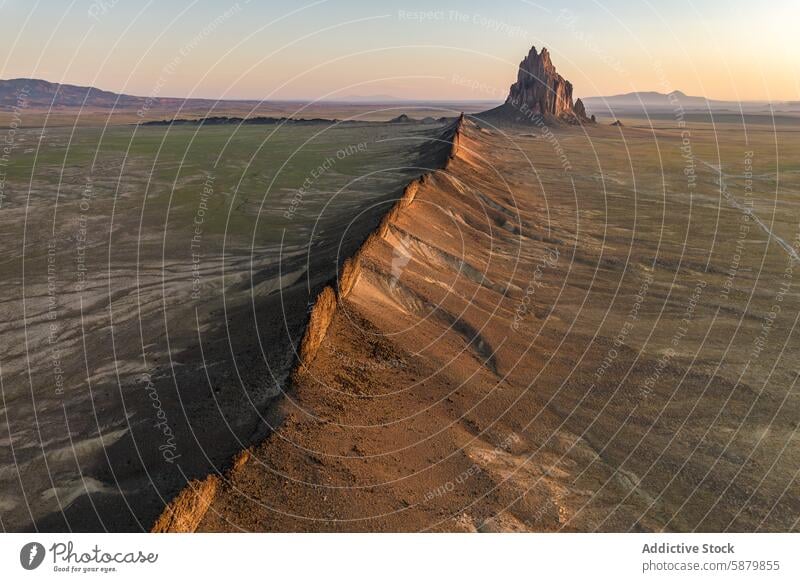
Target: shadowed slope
column 488, row 363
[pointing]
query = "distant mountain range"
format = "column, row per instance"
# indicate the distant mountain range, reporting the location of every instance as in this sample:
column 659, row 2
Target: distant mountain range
column 40, row 94
column 368, row 99
column 654, row 102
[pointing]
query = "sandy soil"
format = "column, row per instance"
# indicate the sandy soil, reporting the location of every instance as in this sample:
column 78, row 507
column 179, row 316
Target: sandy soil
column 568, row 329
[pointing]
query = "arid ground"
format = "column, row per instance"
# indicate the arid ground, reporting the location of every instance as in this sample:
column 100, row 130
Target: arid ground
column 571, row 328
column 155, row 283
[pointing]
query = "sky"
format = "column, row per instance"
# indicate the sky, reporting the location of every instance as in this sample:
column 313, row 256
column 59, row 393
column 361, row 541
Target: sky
column 433, row 49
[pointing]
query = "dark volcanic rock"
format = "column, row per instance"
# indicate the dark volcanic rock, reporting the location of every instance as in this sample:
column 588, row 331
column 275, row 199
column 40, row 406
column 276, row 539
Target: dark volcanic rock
column 540, row 93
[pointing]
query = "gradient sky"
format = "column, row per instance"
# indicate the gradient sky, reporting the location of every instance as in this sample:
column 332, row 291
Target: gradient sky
column 309, row 49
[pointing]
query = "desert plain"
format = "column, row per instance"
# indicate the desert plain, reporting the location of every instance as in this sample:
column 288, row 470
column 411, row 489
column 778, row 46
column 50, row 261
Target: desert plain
column 454, row 325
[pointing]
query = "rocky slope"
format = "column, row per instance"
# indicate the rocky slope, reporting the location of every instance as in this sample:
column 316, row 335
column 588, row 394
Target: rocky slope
column 412, row 407
column 187, row 510
column 496, row 357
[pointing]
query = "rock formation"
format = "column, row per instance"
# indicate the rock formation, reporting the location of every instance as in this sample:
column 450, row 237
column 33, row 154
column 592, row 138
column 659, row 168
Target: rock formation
column 579, row 109
column 540, row 87
column 540, row 93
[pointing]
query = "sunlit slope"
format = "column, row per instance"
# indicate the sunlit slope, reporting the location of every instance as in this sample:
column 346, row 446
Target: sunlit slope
column 559, row 331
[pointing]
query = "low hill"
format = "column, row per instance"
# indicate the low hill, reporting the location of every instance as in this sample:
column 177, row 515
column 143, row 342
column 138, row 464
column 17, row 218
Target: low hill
column 654, row 102
column 37, row 93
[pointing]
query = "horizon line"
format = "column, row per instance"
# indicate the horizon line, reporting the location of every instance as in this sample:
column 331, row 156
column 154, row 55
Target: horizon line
column 388, row 99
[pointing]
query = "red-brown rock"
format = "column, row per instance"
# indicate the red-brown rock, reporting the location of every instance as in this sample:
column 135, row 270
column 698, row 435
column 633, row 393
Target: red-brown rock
column 540, row 93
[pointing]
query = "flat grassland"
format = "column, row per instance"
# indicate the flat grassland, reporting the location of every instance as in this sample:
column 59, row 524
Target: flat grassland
column 90, row 117
column 569, row 329
column 154, row 283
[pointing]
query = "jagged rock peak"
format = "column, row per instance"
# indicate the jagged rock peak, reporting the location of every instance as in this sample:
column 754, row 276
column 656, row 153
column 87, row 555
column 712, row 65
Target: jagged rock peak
column 540, row 88
column 541, row 91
